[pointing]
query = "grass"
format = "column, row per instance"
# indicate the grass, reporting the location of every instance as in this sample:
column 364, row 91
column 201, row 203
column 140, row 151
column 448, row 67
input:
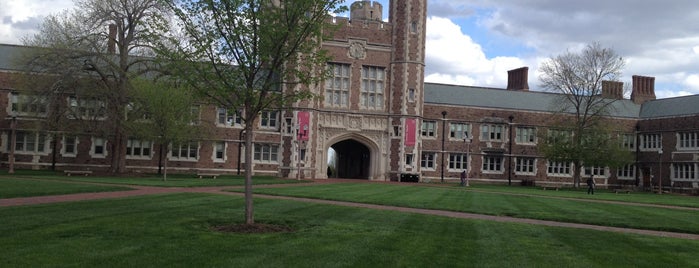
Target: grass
column 15, row 187
column 534, row 207
column 600, row 194
column 173, row 180
column 174, row 231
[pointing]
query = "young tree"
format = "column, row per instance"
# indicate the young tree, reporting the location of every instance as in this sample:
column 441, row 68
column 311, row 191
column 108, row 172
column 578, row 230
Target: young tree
column 252, row 56
column 93, row 52
column 161, row 112
column 585, row 136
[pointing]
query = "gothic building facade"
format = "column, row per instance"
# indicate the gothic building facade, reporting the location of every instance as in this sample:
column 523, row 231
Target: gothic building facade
column 378, row 120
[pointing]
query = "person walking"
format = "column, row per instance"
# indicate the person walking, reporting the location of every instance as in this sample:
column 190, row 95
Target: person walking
column 591, row 185
column 463, row 178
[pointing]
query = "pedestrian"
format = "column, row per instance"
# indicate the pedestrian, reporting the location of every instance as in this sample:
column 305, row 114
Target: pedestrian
column 591, row 185
column 463, row 178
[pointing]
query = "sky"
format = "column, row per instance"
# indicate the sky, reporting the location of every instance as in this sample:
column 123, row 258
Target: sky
column 475, row 42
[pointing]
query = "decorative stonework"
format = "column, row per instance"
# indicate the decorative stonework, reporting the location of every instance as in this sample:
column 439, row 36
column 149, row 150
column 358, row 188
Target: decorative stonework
column 357, row 50
column 354, row 123
column 347, row 122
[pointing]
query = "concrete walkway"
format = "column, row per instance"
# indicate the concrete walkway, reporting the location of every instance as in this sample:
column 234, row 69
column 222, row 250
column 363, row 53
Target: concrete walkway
column 146, row 190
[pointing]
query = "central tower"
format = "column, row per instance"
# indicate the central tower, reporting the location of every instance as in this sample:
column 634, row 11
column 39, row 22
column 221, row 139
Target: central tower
column 407, row 75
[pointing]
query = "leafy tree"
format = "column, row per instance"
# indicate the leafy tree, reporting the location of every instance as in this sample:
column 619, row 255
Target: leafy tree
column 93, row 52
column 161, row 112
column 252, row 56
column 586, row 134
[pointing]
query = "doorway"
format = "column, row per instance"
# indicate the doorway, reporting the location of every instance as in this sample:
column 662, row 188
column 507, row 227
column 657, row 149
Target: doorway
column 349, row 159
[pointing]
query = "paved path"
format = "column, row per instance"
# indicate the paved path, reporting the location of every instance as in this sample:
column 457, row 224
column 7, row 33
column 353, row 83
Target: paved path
column 146, row 190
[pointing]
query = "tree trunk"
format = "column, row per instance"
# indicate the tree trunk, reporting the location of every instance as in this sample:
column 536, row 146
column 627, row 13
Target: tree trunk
column 119, row 152
column 249, row 213
column 165, row 170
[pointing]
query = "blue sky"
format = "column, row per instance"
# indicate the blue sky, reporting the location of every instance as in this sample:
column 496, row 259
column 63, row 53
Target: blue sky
column 475, row 42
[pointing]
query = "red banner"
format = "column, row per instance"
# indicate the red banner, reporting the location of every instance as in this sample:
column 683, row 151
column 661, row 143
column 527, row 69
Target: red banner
column 410, row 132
column 303, row 124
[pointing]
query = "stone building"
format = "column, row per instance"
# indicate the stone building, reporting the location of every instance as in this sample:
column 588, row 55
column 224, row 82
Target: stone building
column 378, row 120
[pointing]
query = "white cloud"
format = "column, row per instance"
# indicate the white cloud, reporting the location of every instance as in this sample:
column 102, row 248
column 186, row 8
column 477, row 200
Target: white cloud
column 454, row 58
column 692, row 81
column 19, row 18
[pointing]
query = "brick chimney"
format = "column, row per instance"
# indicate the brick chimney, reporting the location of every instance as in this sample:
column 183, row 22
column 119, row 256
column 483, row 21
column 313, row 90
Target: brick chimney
column 613, row 90
column 517, row 79
column 111, row 41
column 643, row 89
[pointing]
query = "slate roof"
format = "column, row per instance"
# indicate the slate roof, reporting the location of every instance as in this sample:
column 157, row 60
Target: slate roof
column 8, row 56
column 495, row 98
column 671, row 107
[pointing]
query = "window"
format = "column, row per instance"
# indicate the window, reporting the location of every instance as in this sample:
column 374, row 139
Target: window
column 526, row 135
column 99, row 147
column 194, row 113
column 267, row 153
column 558, row 168
column 651, row 141
column 557, row 135
column 626, row 172
column 492, row 163
column 491, row 132
column 413, row 27
column 70, row 146
column 458, row 161
column 136, row 112
column 30, row 142
column 268, row 119
column 628, row 141
column 595, row 170
column 409, row 160
column 372, row 87
column 337, row 85
column 228, row 117
column 459, row 130
column 219, row 151
column 428, row 128
column 185, row 151
column 138, row 148
column 302, row 155
column 411, row 95
column 684, row 171
column 29, row 104
column 525, row 165
column 289, row 126
column 87, row 108
column 688, row 140
column 427, row 160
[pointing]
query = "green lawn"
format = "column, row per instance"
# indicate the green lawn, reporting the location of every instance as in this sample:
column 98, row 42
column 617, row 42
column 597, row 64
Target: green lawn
column 534, row 207
column 18, row 187
column 173, row 180
column 600, row 194
column 174, row 231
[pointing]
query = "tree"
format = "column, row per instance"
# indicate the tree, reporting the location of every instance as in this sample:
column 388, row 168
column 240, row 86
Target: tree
column 93, row 52
column 160, row 112
column 252, row 56
column 583, row 134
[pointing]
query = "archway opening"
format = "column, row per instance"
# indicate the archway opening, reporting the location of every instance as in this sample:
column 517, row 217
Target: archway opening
column 349, row 159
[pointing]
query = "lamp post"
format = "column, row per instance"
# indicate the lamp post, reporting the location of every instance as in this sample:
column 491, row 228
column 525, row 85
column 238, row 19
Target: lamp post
column 660, row 171
column 444, row 123
column 13, row 141
column 467, row 140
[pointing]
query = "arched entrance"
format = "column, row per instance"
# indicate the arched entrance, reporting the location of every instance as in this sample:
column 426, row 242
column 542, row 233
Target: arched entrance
column 351, row 159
